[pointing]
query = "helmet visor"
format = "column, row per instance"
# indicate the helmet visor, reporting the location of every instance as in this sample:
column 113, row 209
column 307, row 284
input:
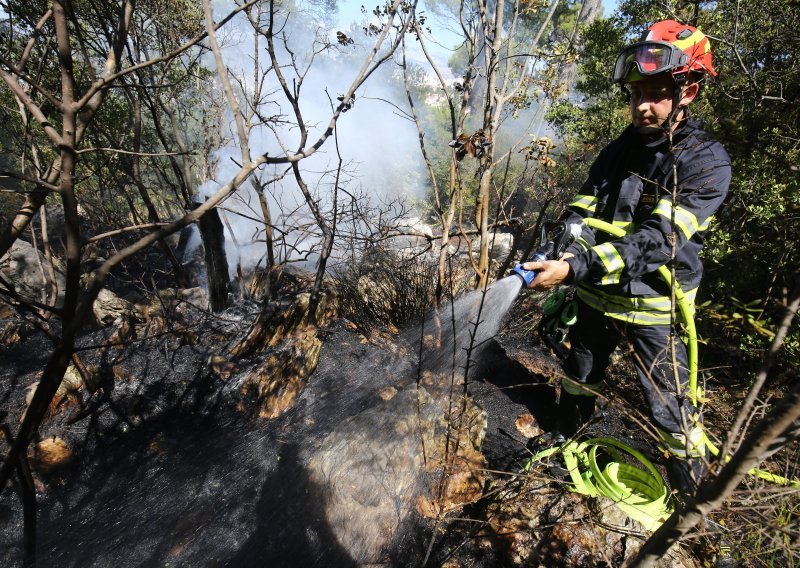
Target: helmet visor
column 647, row 58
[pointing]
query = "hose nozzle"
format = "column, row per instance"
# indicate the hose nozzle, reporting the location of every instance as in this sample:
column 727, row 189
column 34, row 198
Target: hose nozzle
column 526, row 275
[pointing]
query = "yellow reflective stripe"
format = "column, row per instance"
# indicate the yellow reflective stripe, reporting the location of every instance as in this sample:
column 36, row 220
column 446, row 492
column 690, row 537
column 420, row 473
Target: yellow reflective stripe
column 583, row 243
column 626, row 226
column 696, row 37
column 706, row 224
column 636, row 310
column 576, row 388
column 685, row 220
column 588, row 202
column 642, row 318
column 676, row 443
column 665, row 302
column 612, row 261
column 623, row 313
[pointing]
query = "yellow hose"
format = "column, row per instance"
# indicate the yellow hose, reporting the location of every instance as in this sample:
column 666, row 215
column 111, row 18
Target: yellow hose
column 596, row 467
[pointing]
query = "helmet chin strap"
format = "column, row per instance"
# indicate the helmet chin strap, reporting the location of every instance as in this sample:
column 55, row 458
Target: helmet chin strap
column 677, row 95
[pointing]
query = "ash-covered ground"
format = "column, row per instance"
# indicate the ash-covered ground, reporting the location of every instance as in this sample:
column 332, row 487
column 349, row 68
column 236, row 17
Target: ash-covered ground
column 168, row 468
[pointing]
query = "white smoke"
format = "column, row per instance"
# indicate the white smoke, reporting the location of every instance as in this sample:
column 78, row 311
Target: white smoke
column 378, row 146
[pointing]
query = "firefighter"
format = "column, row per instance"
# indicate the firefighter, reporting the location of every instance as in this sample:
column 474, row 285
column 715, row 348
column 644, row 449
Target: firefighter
column 662, row 180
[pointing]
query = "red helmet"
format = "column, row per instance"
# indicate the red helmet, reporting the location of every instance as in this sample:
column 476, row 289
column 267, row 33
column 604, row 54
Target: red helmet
column 666, row 47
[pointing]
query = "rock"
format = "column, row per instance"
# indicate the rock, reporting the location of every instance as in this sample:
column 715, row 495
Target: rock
column 258, row 282
column 52, row 454
column 535, row 524
column 124, row 332
column 70, row 384
column 191, row 297
column 387, row 393
column 379, row 295
column 24, row 268
column 6, row 311
column 418, row 235
column 273, row 387
column 273, row 325
column 370, row 467
column 221, row 367
column 155, row 326
column 527, row 505
column 121, row 374
column 501, row 244
column 108, row 308
column 454, row 462
column 387, row 287
column 527, row 426
column 536, row 361
column 70, row 391
column 14, row 331
column 178, row 300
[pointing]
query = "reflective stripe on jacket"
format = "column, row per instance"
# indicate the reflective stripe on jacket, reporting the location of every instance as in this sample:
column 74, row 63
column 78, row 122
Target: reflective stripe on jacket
column 630, row 185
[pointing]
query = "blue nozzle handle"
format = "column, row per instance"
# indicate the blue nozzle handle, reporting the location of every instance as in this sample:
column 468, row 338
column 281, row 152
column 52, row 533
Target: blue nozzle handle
column 526, row 275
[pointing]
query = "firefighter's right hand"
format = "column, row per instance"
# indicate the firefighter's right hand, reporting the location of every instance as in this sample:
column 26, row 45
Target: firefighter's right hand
column 549, row 273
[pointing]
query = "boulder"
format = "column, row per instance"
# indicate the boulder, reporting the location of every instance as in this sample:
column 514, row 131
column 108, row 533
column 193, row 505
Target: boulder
column 24, row 268
column 537, row 523
column 52, row 454
column 416, row 235
column 13, row 329
column 70, row 391
column 377, row 295
column 501, row 245
column 177, row 300
column 109, row 308
column 274, row 324
column 387, row 287
column 402, row 455
column 370, row 467
column 455, row 466
column 527, row 426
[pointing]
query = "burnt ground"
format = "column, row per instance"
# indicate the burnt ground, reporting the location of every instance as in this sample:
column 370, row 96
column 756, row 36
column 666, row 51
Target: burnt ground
column 168, row 471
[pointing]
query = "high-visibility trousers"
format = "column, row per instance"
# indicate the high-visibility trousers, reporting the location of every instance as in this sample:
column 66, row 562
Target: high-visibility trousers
column 665, row 385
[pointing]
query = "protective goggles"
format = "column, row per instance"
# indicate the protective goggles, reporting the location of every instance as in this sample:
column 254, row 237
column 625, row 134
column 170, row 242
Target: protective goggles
column 649, row 58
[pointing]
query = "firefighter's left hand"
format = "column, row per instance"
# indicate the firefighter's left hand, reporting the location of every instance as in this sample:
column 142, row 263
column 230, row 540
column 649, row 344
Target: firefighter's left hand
column 550, row 273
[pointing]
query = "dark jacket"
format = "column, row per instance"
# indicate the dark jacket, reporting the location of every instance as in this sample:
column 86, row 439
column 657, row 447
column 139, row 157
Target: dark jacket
column 630, row 185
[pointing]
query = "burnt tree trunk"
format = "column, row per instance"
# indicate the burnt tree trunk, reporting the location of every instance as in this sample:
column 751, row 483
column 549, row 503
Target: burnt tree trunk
column 213, row 235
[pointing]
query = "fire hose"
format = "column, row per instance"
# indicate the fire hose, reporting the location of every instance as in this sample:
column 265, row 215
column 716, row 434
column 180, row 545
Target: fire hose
column 597, row 465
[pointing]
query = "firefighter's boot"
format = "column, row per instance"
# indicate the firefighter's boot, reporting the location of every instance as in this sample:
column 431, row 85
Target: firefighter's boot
column 573, row 412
